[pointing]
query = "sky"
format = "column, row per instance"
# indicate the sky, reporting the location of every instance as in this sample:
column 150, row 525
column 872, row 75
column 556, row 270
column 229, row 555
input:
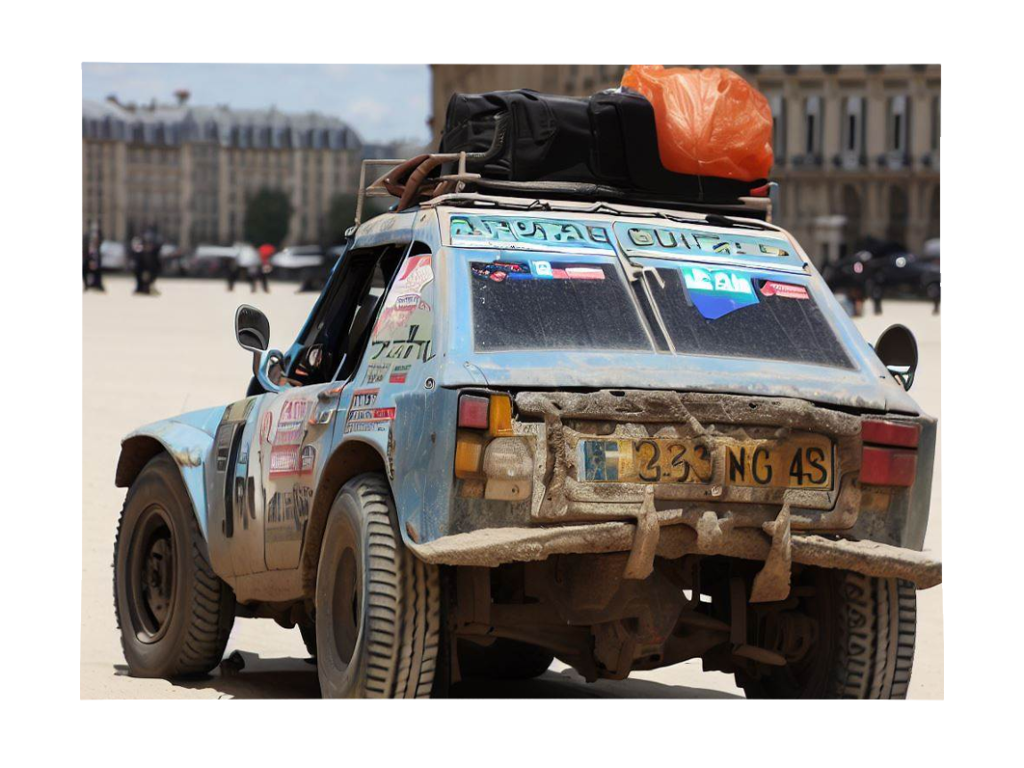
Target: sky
column 383, row 102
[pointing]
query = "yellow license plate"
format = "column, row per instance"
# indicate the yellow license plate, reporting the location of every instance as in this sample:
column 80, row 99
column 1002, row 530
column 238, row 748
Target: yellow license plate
column 798, row 461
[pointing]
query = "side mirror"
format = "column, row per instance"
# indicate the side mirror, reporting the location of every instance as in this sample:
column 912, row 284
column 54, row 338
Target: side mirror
column 252, row 331
column 897, row 349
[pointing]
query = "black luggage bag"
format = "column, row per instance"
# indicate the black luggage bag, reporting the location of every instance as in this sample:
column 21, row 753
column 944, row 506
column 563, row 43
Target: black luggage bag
column 606, row 140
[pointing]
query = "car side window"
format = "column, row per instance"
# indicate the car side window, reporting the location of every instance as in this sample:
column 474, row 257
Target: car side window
column 401, row 335
column 368, row 307
column 338, row 319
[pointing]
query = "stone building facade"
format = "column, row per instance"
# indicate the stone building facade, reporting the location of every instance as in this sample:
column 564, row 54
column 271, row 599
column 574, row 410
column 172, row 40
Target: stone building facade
column 856, row 146
column 190, row 170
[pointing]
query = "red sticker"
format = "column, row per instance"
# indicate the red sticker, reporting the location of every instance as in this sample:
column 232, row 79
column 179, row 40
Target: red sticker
column 785, row 290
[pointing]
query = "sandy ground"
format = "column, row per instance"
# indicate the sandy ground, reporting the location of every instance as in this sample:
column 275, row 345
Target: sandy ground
column 149, row 358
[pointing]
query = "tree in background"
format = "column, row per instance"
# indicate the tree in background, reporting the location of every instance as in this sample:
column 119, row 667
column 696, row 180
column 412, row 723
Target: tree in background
column 266, row 217
column 341, row 214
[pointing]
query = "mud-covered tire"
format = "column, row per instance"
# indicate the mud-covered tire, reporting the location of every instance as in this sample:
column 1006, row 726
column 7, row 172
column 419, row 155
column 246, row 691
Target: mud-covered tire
column 865, row 646
column 173, row 612
column 504, row 659
column 378, row 607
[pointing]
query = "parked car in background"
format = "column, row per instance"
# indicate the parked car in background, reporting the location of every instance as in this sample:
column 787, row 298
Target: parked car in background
column 848, row 275
column 886, row 270
column 172, row 260
column 304, row 263
column 904, row 274
column 113, row 256
column 210, row 260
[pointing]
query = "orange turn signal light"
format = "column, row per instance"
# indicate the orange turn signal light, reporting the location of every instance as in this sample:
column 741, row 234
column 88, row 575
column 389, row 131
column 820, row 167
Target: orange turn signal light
column 469, row 454
column 499, row 423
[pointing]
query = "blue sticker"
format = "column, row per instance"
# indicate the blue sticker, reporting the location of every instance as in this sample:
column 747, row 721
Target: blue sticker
column 600, row 460
column 717, row 292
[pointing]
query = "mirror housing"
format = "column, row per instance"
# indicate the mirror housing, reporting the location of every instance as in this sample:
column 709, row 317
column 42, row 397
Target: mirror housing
column 897, row 349
column 252, row 331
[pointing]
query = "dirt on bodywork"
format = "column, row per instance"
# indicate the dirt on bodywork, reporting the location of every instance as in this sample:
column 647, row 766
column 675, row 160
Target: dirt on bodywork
column 771, row 525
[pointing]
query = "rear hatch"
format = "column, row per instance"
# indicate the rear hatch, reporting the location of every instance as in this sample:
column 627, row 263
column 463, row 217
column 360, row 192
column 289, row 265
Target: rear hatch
column 603, row 449
column 745, row 458
column 726, row 312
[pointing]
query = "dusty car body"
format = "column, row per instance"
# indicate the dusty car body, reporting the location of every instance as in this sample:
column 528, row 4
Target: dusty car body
column 581, row 447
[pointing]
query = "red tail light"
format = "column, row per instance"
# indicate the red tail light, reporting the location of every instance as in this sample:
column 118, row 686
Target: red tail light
column 888, row 457
column 474, row 411
column 890, row 433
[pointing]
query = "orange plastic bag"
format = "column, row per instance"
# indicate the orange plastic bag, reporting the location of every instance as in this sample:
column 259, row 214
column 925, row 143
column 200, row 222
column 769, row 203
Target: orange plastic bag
column 710, row 122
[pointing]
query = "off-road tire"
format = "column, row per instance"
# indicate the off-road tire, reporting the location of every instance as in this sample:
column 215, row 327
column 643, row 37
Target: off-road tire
column 865, row 647
column 502, row 660
column 200, row 608
column 378, row 607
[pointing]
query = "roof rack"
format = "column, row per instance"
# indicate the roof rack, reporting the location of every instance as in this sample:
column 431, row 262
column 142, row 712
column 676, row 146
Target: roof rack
column 394, row 184
column 410, row 181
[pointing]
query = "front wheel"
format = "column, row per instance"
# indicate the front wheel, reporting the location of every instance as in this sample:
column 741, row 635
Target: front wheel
column 173, row 611
column 864, row 632
column 378, row 607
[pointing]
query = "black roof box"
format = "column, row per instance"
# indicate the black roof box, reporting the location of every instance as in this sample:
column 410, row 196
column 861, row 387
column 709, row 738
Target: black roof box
column 607, row 141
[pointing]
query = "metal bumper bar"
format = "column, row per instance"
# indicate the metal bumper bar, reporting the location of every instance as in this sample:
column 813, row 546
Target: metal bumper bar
column 496, row 546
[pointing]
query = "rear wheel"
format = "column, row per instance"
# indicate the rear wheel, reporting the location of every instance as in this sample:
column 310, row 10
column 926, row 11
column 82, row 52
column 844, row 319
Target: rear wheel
column 378, row 623
column 862, row 646
column 173, row 611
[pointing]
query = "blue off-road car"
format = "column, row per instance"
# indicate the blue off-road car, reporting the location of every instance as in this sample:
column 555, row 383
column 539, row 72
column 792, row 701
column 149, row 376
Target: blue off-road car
column 521, row 425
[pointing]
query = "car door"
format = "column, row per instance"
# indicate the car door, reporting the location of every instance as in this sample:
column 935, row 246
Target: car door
column 296, row 425
column 287, row 456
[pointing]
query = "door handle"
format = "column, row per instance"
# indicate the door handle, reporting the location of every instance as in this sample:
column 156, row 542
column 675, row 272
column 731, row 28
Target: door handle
column 326, row 395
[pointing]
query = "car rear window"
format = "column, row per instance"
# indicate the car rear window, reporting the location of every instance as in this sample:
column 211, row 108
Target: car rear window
column 553, row 303
column 739, row 313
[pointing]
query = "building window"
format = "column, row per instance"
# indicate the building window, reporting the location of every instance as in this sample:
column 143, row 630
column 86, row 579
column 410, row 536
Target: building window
column 898, row 119
column 813, row 109
column 853, row 125
column 936, row 122
column 778, row 106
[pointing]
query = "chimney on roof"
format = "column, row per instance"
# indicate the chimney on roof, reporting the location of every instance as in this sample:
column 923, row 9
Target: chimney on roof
column 182, row 95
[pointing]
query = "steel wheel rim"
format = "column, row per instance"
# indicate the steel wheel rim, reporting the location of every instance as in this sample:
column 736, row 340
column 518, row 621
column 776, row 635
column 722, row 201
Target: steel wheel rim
column 151, row 575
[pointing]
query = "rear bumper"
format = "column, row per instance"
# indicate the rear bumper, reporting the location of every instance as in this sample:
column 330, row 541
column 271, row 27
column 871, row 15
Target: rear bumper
column 496, row 546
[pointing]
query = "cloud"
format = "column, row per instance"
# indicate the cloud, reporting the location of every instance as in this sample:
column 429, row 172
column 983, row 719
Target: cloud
column 382, row 102
column 369, row 109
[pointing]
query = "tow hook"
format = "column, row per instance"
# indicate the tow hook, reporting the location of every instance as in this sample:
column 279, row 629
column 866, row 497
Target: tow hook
column 772, row 582
column 640, row 564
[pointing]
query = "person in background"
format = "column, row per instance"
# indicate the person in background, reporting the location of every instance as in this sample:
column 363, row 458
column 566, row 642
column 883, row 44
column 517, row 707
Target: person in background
column 138, row 265
column 266, row 251
column 248, row 260
column 92, row 259
column 232, row 269
column 151, row 259
column 876, row 292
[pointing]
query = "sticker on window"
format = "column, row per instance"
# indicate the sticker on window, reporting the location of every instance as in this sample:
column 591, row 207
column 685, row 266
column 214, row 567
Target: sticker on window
column 404, row 328
column 716, row 293
column 500, row 271
column 784, row 290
